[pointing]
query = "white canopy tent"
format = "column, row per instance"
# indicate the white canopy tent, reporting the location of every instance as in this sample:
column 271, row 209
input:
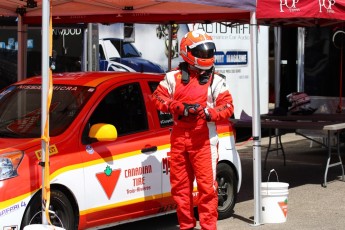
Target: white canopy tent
column 140, row 11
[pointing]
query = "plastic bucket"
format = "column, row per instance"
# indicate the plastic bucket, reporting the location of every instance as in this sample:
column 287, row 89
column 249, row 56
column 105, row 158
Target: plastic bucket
column 274, row 200
column 42, row 227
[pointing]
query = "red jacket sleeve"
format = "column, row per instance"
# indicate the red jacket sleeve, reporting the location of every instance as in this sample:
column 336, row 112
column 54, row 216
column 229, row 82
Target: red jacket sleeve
column 162, row 96
column 223, row 103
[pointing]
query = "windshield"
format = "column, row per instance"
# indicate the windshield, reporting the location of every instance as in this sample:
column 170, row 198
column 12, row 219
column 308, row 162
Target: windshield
column 20, row 109
column 124, row 49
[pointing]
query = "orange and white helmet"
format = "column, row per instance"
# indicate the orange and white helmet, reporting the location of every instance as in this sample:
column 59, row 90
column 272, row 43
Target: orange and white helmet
column 197, row 48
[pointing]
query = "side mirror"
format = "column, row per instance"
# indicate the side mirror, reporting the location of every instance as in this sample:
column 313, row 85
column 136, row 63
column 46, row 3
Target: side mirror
column 103, row 132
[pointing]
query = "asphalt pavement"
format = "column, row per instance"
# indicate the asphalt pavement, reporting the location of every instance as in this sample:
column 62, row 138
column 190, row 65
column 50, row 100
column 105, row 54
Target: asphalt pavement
column 310, row 206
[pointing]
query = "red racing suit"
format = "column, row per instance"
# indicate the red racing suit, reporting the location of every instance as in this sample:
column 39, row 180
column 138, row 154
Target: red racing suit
column 194, row 144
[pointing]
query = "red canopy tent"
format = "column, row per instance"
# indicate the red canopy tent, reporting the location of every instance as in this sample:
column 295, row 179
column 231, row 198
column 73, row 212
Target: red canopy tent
column 302, row 13
column 299, row 13
column 143, row 11
column 131, row 11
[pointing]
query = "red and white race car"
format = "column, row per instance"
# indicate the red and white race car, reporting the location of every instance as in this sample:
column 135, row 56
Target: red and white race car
column 95, row 183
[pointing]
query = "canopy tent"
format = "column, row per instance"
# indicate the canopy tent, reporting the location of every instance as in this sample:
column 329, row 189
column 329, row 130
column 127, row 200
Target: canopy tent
column 146, row 11
column 135, row 11
column 301, row 14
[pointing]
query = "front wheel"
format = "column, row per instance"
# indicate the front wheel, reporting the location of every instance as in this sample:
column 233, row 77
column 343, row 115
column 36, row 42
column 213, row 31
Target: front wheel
column 227, row 190
column 60, row 211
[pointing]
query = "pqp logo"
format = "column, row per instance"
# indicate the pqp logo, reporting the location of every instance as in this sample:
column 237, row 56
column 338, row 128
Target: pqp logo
column 291, row 5
column 327, row 4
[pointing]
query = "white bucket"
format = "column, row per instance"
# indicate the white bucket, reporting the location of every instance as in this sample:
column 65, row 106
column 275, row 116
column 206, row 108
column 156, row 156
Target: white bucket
column 274, row 201
column 42, row 227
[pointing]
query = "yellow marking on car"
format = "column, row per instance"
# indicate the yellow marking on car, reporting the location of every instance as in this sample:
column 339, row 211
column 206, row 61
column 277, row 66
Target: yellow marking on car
column 101, row 161
column 10, row 202
column 52, row 150
column 161, row 147
column 226, row 134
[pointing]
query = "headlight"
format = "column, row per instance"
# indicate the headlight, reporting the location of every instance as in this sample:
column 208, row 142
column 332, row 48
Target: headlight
column 9, row 163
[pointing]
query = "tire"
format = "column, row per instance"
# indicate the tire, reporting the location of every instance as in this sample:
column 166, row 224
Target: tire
column 227, row 190
column 61, row 214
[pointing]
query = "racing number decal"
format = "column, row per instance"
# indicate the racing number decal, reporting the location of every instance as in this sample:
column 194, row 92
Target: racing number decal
column 108, row 180
column 165, row 164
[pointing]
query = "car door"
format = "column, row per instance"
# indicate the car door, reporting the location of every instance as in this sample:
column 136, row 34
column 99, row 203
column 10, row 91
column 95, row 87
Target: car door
column 122, row 177
column 164, row 123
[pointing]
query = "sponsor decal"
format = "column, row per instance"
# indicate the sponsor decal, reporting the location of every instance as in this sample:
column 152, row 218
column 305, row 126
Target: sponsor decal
column 167, row 208
column 11, row 209
column 326, row 4
column 108, row 180
column 73, row 32
column 55, row 87
column 139, row 179
column 89, row 149
column 283, row 206
column 231, row 58
column 290, row 5
column 52, row 150
column 146, row 169
column 195, row 194
column 224, row 30
column 166, row 164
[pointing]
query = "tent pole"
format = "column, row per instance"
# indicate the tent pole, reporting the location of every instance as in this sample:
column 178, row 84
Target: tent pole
column 89, row 47
column 277, row 62
column 255, row 120
column 300, row 59
column 170, row 46
column 45, row 78
column 22, row 48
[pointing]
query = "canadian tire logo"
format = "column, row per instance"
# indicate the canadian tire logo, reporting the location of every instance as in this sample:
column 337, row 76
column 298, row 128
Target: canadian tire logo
column 283, row 206
column 108, row 180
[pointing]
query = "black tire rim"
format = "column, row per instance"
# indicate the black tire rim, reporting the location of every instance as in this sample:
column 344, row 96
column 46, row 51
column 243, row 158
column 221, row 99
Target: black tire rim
column 225, row 193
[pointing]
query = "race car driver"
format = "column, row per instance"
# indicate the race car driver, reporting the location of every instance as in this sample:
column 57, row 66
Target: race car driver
column 198, row 98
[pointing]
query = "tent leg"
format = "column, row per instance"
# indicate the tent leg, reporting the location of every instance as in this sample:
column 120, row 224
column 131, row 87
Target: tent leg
column 256, row 120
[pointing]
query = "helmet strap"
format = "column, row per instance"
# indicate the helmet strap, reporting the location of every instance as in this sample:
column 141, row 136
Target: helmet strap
column 205, row 75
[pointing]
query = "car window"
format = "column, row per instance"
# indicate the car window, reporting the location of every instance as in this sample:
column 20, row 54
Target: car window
column 20, row 109
column 165, row 119
column 101, row 52
column 111, row 49
column 124, row 108
column 129, row 50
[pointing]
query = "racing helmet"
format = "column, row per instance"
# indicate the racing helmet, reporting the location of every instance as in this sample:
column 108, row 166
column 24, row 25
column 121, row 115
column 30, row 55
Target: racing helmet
column 197, row 48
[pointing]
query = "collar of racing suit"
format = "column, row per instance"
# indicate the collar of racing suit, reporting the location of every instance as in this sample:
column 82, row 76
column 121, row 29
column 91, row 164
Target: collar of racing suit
column 192, row 71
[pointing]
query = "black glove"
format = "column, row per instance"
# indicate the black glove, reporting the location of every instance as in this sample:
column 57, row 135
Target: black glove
column 183, row 109
column 207, row 114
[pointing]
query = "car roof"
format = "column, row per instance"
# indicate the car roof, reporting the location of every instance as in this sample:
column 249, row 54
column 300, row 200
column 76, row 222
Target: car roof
column 91, row 79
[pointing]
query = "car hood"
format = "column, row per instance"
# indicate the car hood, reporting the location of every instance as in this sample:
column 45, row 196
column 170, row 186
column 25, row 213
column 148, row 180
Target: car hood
column 13, row 144
column 141, row 65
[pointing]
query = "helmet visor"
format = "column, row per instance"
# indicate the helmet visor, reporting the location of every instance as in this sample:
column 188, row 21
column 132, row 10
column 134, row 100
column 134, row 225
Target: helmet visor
column 205, row 50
